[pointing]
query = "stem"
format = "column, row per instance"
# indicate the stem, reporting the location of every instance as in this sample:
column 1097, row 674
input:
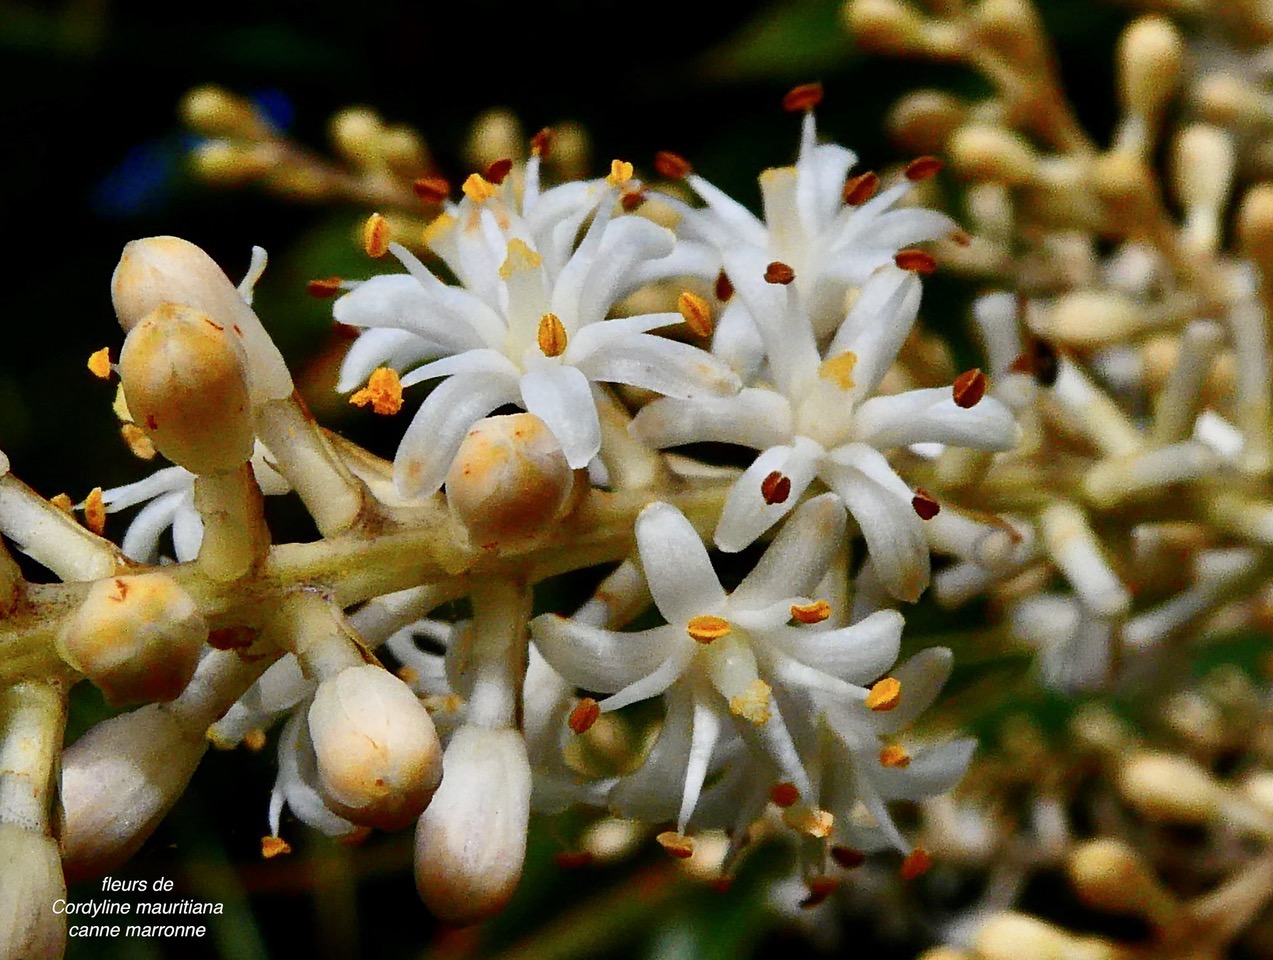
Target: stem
column 235, row 538
column 501, row 611
column 52, row 538
column 32, row 718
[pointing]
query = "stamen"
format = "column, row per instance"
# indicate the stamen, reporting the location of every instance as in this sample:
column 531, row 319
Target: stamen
column 961, row 238
column 324, row 287
column 407, row 675
column 678, row 845
column 814, row 612
column 819, row 889
column 924, row 504
column 541, row 142
column 779, row 272
column 375, row 236
column 584, row 715
column 499, row 170
column 672, row 165
column 859, row 189
column 895, row 755
column 138, row 443
column 847, row 857
column 784, row 795
column 432, row 189
column 477, row 189
column 383, row 391
column 551, row 336
column 632, row 200
column 839, row 369
column 95, row 511
column 884, row 695
column 620, row 173
column 705, row 628
column 753, row 703
column 775, row 488
column 802, row 98
column 99, row 363
column 724, row 289
column 922, row 168
column 63, row 502
column 272, row 847
column 572, row 859
column 254, row 740
column 696, row 313
column 915, row 261
column 969, row 387
column 1040, row 362
column 916, row 864
column 809, row 820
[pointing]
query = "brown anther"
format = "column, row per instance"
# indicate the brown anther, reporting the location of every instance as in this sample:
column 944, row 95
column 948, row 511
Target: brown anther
column 779, row 272
column 884, row 695
column 724, row 289
column 231, row 638
column 847, row 857
column 324, row 287
column 375, row 236
column 632, row 200
column 678, row 845
column 808, row 613
column 138, row 443
column 859, row 189
column 895, row 755
column 542, row 142
column 969, row 387
column 63, row 502
column 819, row 889
column 696, row 313
column 922, row 168
column 802, row 98
column 95, row 511
column 584, row 715
column 572, row 859
column 672, row 165
column 925, row 505
column 383, row 391
column 705, row 628
column 961, row 238
column 345, row 331
column 916, row 864
column 916, row 261
column 431, row 189
column 272, row 847
column 551, row 336
column 254, row 740
column 99, row 363
column 1040, row 361
column 784, row 795
column 775, row 488
column 499, row 170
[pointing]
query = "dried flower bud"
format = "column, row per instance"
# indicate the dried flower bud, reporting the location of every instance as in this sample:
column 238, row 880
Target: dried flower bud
column 1170, row 789
column 31, row 865
column 379, row 760
column 185, row 380
column 472, row 839
column 136, row 637
column 509, row 478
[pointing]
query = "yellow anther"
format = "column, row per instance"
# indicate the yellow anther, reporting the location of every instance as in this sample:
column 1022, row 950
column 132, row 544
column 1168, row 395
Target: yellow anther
column 120, row 406
column 478, row 189
column 551, row 336
column 620, row 173
column 375, row 236
column 138, row 443
column 753, row 703
column 697, row 314
column 809, row 820
column 272, row 847
column 885, row 695
column 814, row 612
column 254, row 740
column 894, row 755
column 677, row 844
column 839, row 369
column 63, row 502
column 520, row 257
column 99, row 363
column 383, row 391
column 705, row 628
column 95, row 511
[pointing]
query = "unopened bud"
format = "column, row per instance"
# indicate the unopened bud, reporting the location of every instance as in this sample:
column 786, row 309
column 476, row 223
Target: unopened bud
column 509, row 478
column 885, row 26
column 983, row 152
column 496, row 134
column 379, row 760
column 1015, row 936
column 923, row 121
column 471, row 841
column 214, row 112
column 355, row 133
column 1089, row 318
column 1170, row 789
column 1150, row 53
column 31, row 865
column 1109, row 875
column 185, row 380
column 135, row 637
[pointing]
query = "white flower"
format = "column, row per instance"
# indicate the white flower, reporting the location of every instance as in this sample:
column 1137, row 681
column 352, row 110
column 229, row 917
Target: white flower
column 525, row 327
column 729, row 661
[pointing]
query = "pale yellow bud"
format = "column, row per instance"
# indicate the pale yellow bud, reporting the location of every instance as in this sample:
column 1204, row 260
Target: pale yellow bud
column 509, row 478
column 355, row 133
column 379, row 759
column 1170, row 789
column 471, row 841
column 1010, row 26
column 402, row 147
column 1089, row 318
column 922, row 122
column 1150, row 55
column 1109, row 875
column 136, row 637
column 185, row 380
column 214, row 112
column 885, row 26
column 1229, row 100
column 31, row 866
column 226, row 163
column 1255, row 224
column 982, row 152
column 1015, row 936
column 570, row 156
column 1202, row 176
column 496, row 135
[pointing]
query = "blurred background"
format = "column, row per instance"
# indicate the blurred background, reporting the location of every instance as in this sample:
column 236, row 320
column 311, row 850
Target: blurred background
column 95, row 155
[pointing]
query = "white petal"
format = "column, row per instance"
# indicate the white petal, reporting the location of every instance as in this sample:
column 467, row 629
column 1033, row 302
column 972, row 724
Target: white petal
column 597, row 659
column 654, row 792
column 397, row 349
column 705, row 731
column 930, row 772
column 737, row 341
column 591, row 283
column 161, row 481
column 688, row 259
column 921, row 677
column 739, row 221
column 821, row 171
column 858, row 654
column 398, row 301
column 753, row 418
column 479, row 361
column 932, row 416
column 187, row 531
column 561, row 397
column 798, row 558
column 877, row 326
column 746, row 515
column 141, row 540
column 677, row 570
column 665, row 366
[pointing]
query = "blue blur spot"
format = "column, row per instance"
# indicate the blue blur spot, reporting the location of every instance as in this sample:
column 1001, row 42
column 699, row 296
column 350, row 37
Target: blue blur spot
column 144, row 181
column 277, row 107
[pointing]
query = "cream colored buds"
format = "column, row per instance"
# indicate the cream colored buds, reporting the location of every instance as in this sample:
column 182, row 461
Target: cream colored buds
column 1204, row 160
column 31, row 866
column 379, row 759
column 509, row 478
column 1109, row 875
column 1150, row 54
column 471, row 841
column 984, row 152
column 214, row 112
column 1170, row 789
column 159, row 270
column 1089, row 318
column 135, row 637
column 884, row 26
column 1015, row 936
column 185, row 380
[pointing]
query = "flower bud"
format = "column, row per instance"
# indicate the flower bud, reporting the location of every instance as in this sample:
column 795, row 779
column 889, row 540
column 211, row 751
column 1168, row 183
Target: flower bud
column 509, row 478
column 379, row 760
column 1109, row 875
column 185, row 380
column 471, row 841
column 213, row 112
column 118, row 781
column 984, row 152
column 32, row 869
column 1090, row 318
column 136, row 637
column 1170, row 789
column 355, row 132
column 159, row 270
column 1015, row 936
column 885, row 26
column 1150, row 54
